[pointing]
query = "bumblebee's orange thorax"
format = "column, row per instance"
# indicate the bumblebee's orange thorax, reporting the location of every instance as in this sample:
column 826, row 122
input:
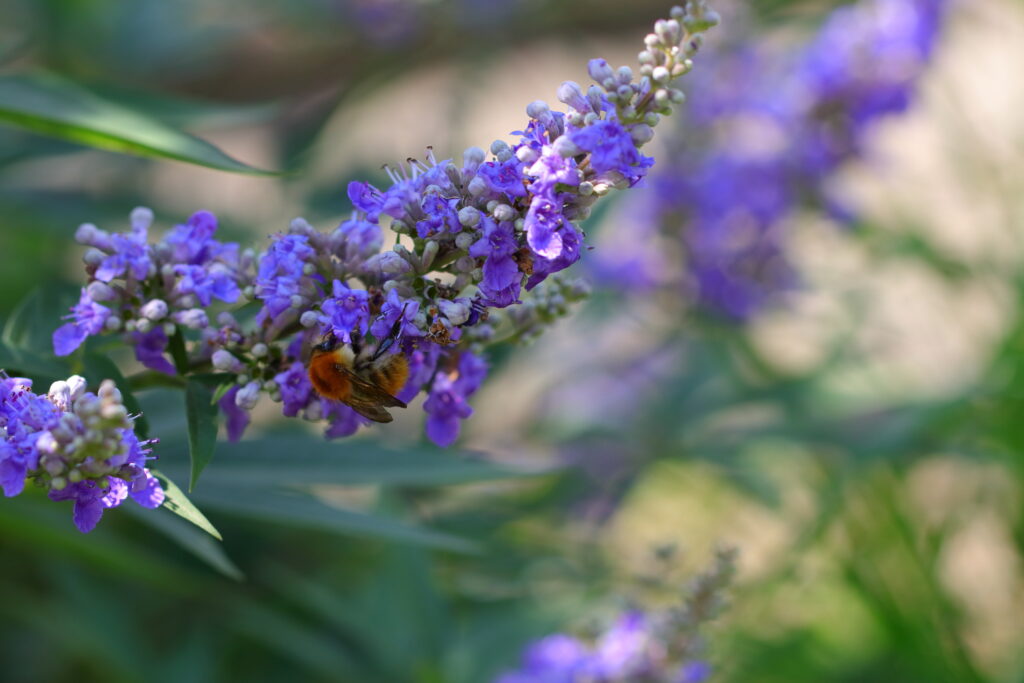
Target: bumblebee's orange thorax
column 326, row 378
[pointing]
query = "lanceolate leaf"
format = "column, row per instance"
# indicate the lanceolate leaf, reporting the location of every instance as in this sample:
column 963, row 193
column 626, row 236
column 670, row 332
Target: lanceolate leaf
column 47, row 104
column 202, row 423
column 177, row 502
column 300, row 460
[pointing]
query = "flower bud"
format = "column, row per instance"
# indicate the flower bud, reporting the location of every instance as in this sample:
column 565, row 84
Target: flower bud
column 141, row 218
column 224, row 361
column 600, row 71
column 308, row 318
column 248, row 396
column 469, row 216
column 154, row 309
column 100, row 291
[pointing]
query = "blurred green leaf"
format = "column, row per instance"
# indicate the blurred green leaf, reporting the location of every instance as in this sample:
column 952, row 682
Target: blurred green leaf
column 202, row 422
column 47, row 104
column 306, row 511
column 177, row 502
column 283, row 460
column 22, row 362
column 188, row 537
column 33, row 321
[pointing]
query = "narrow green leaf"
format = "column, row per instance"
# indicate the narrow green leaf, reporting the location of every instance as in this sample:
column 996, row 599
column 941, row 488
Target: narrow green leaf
column 50, row 105
column 306, row 511
column 224, row 388
column 298, row 460
column 176, row 345
column 99, row 368
column 202, row 423
column 177, row 502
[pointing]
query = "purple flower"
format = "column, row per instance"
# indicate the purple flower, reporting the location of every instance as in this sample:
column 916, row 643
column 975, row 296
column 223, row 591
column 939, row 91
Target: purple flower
column 342, row 420
column 441, row 217
column 504, row 177
column 611, row 149
column 544, row 226
column 237, row 418
column 131, row 257
column 366, row 198
column 551, row 170
column 206, row 283
column 88, row 318
column 347, row 310
column 280, row 274
column 390, row 312
column 77, row 445
column 696, row 671
column 622, row 651
column 193, row 242
column 502, row 278
column 149, row 350
column 422, row 363
column 542, row 268
column 446, row 405
column 295, row 387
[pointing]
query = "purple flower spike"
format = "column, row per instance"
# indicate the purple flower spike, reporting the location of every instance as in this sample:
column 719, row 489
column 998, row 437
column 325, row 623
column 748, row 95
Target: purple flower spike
column 77, row 445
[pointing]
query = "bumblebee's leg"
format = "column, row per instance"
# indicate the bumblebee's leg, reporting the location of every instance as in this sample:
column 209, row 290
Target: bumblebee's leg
column 393, row 335
column 357, row 342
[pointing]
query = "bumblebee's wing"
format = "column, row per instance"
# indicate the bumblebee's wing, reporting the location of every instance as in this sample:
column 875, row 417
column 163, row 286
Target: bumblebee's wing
column 370, row 411
column 369, row 399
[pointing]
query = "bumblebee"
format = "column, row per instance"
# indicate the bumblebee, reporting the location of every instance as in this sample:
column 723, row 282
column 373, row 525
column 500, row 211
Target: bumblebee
column 365, row 380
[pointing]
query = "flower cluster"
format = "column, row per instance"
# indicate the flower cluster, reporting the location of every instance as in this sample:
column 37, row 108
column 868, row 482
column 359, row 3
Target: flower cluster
column 661, row 646
column 426, row 259
column 77, row 445
column 777, row 126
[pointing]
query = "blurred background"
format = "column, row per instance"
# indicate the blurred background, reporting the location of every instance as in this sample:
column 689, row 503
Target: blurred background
column 805, row 340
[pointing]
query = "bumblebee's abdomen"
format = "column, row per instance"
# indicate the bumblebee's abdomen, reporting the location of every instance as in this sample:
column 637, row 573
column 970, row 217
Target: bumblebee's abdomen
column 391, row 373
column 326, row 379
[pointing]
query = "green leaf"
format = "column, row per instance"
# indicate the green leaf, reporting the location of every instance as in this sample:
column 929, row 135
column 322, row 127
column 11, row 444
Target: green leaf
column 177, row 502
column 23, row 362
column 33, row 321
column 50, row 105
column 202, row 422
column 306, row 511
column 188, row 537
column 298, row 460
column 176, row 346
column 99, row 368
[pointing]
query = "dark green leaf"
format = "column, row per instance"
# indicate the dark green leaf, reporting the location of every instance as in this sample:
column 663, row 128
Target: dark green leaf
column 47, row 104
column 33, row 321
column 176, row 345
column 22, row 362
column 177, row 502
column 306, row 511
column 202, row 423
column 285, row 460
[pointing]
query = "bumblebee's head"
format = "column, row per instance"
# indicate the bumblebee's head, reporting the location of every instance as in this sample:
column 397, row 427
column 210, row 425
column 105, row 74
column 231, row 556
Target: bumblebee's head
column 327, row 344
